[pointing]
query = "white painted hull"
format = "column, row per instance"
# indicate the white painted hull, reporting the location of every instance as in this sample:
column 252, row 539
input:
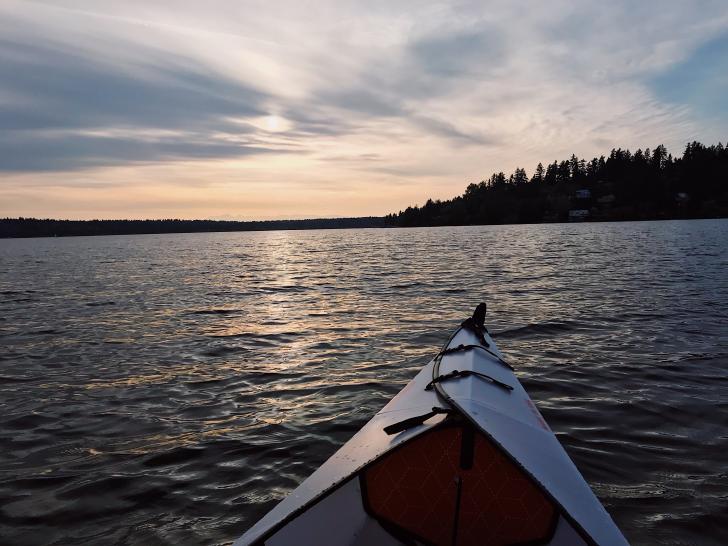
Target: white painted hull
column 346, row 501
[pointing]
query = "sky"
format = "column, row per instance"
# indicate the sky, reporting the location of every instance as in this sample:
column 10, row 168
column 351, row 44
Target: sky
column 308, row 109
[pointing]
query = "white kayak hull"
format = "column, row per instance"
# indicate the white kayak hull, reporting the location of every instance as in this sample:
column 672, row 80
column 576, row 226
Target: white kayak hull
column 487, row 472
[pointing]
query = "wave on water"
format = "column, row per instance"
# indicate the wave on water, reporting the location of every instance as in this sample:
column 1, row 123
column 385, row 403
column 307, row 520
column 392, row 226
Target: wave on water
column 541, row 329
column 215, row 311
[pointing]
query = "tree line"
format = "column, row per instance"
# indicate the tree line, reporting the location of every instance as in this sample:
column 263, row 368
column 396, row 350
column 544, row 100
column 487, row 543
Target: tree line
column 644, row 185
column 33, row 227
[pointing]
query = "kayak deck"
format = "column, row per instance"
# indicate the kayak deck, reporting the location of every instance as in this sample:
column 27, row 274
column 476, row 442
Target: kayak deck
column 452, row 486
column 483, row 468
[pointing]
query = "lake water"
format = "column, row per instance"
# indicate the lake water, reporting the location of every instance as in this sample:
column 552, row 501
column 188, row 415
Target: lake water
column 170, row 389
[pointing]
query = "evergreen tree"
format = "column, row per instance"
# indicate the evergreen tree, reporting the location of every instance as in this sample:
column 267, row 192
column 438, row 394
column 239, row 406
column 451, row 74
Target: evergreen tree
column 520, row 177
column 659, row 156
column 563, row 172
column 551, row 173
column 538, row 174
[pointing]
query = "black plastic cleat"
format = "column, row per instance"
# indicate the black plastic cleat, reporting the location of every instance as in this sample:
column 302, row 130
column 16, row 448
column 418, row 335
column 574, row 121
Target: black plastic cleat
column 479, row 315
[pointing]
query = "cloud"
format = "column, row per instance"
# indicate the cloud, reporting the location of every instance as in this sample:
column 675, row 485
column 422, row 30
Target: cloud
column 65, row 88
column 58, row 96
column 461, row 53
column 427, row 68
column 62, row 153
column 361, row 101
column 452, row 133
column 700, row 81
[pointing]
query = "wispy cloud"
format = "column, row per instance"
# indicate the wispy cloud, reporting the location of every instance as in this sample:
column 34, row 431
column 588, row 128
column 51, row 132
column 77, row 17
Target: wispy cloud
column 65, row 109
column 700, row 81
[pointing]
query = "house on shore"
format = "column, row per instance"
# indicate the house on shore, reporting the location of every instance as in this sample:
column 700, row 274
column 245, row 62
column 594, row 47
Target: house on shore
column 578, row 215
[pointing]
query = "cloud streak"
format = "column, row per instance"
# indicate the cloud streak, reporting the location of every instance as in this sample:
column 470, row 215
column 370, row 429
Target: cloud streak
column 66, row 105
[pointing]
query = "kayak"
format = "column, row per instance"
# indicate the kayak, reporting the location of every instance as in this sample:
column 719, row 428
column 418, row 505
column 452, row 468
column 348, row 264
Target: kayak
column 460, row 456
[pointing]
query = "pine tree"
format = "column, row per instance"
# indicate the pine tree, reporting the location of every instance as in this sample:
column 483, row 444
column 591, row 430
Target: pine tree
column 520, row 177
column 563, row 172
column 659, row 155
column 551, row 173
column 538, row 174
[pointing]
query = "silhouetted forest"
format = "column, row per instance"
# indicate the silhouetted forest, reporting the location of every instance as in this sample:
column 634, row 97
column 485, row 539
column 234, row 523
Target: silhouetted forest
column 644, row 185
column 32, row 227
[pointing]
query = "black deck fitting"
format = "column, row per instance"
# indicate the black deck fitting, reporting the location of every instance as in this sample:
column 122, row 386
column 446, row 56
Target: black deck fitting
column 479, row 315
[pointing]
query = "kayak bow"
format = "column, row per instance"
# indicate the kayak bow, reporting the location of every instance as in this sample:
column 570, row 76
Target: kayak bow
column 461, row 456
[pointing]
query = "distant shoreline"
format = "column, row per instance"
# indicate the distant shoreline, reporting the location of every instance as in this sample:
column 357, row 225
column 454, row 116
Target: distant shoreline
column 328, row 223
column 23, row 228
